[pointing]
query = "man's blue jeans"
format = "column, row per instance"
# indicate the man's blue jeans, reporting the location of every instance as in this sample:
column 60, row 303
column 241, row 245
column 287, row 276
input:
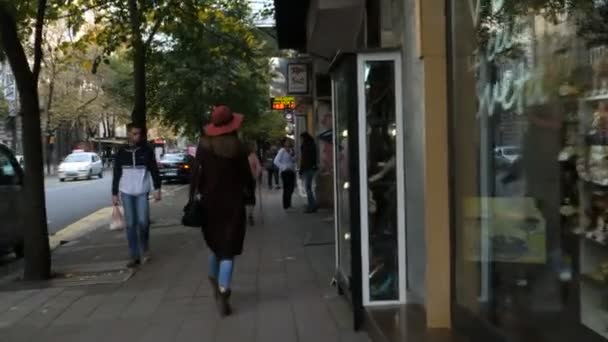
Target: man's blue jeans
column 221, row 270
column 137, row 219
column 308, row 177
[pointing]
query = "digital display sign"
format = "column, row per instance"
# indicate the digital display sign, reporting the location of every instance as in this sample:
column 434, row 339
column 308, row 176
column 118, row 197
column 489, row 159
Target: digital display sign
column 283, row 103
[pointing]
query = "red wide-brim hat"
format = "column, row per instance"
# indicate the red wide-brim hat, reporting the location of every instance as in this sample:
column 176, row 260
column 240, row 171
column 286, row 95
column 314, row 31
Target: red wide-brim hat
column 223, row 121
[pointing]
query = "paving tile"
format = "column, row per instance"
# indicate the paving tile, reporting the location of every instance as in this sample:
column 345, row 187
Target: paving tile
column 25, row 307
column 80, row 310
column 202, row 327
column 112, row 307
column 275, row 321
column 43, row 316
column 145, row 304
column 9, row 299
column 162, row 331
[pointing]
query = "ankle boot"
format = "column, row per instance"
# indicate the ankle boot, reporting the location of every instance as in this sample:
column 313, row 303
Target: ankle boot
column 214, row 287
column 224, row 303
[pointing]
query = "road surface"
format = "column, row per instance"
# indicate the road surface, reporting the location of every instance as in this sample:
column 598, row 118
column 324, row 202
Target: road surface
column 71, row 201
column 68, row 202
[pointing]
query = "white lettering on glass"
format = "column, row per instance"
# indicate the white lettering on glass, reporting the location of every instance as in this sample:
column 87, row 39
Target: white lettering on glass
column 505, row 82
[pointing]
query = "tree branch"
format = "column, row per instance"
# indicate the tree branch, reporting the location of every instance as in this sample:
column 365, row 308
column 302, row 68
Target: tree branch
column 157, row 24
column 38, row 38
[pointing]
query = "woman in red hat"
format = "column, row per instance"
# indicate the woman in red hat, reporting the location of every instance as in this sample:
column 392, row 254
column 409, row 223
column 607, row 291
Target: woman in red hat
column 223, row 180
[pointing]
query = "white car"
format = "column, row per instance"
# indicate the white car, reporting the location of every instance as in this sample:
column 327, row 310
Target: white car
column 507, row 155
column 80, row 165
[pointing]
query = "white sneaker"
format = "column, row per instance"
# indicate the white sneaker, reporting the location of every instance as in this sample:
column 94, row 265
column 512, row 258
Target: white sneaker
column 146, row 258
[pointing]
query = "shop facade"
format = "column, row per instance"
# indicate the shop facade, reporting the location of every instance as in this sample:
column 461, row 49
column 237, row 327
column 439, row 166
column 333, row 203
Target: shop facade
column 471, row 161
column 528, row 128
column 390, row 171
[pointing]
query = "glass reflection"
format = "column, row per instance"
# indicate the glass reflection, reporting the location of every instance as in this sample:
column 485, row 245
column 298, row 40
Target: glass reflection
column 382, row 191
column 342, row 96
column 530, row 142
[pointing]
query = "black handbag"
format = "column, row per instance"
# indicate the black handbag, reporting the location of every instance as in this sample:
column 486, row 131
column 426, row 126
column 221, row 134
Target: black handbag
column 194, row 214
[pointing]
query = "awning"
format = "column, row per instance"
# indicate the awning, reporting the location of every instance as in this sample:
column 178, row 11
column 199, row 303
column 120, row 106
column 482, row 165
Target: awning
column 290, row 17
column 115, row 141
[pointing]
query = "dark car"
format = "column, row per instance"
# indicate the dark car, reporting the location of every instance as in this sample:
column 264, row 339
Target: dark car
column 11, row 208
column 176, row 167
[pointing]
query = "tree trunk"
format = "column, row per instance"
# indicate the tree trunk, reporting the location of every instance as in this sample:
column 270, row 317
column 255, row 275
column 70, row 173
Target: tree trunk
column 37, row 253
column 139, row 66
column 49, row 131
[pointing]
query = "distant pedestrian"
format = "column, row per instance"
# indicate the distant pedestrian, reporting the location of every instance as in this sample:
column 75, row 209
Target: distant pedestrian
column 308, row 168
column 256, row 173
column 285, row 161
column 223, row 180
column 134, row 165
column 271, row 170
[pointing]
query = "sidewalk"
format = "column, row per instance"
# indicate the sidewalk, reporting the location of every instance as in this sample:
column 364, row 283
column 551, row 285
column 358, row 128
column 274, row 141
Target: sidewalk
column 281, row 288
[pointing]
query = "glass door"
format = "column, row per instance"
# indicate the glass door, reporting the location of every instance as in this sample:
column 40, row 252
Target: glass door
column 346, row 175
column 382, row 179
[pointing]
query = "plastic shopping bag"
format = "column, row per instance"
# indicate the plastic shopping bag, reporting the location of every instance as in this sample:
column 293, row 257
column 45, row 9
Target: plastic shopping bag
column 118, row 219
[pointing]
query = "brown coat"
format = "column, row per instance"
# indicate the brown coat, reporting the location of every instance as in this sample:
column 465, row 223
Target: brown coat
column 223, row 180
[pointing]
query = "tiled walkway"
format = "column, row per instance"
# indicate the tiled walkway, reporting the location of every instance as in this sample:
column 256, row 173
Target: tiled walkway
column 281, row 289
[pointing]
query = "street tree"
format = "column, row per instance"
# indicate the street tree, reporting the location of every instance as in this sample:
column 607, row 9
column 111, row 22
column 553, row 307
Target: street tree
column 213, row 54
column 17, row 18
column 131, row 24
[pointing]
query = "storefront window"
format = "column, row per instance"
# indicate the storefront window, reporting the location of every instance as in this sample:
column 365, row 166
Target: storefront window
column 382, row 184
column 529, row 140
column 343, row 112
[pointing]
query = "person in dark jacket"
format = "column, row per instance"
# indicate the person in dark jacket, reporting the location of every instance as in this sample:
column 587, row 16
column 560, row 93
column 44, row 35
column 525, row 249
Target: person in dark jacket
column 308, row 168
column 134, row 165
column 223, row 183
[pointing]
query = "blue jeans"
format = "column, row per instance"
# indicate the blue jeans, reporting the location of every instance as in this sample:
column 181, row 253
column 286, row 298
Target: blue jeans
column 137, row 219
column 309, row 176
column 221, row 270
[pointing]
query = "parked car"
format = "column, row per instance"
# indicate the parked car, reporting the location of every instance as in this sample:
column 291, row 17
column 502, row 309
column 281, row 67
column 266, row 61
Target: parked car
column 176, row 167
column 11, row 208
column 80, row 165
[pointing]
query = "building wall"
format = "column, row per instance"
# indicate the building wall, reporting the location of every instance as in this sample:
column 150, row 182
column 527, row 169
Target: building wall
column 413, row 110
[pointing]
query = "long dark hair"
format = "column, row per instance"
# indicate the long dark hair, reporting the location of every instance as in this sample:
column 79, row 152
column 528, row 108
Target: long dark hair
column 307, row 138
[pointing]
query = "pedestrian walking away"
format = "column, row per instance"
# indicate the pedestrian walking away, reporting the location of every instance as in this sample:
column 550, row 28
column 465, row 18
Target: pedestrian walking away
column 285, row 161
column 271, row 169
column 224, row 179
column 256, row 173
column 134, row 166
column 308, row 169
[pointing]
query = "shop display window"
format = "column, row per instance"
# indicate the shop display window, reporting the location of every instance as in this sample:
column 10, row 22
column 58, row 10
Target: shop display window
column 381, row 144
column 529, row 145
column 370, row 180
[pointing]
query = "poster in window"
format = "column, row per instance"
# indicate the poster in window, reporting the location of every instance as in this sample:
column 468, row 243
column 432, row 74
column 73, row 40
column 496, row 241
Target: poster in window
column 297, row 78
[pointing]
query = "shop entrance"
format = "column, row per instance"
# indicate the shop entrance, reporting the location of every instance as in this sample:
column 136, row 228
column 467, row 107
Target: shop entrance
column 370, row 179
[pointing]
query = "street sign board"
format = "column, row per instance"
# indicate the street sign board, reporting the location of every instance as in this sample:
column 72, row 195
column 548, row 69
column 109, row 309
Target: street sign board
column 283, row 102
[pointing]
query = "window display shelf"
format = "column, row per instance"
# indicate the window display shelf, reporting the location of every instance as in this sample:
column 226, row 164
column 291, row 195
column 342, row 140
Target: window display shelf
column 593, row 315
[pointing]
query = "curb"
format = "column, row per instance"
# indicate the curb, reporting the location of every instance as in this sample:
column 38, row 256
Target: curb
column 81, row 227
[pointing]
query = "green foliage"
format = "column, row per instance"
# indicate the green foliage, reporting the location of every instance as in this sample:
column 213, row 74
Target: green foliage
column 269, row 126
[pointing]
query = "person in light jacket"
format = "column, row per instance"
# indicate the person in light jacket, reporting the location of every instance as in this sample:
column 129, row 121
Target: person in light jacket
column 285, row 161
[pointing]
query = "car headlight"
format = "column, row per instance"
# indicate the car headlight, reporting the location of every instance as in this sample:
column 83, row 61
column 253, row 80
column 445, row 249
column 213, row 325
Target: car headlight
column 86, row 168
